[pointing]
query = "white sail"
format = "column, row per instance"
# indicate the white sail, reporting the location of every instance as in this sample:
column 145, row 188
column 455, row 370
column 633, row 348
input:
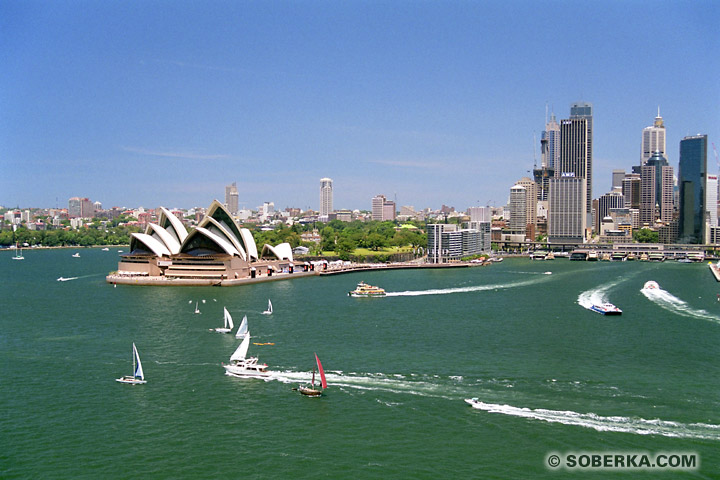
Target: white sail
column 242, row 349
column 228, row 320
column 269, row 306
column 243, row 328
column 138, row 366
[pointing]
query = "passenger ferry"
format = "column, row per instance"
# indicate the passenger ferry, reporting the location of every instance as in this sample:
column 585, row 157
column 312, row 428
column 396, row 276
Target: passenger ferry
column 606, row 309
column 365, row 290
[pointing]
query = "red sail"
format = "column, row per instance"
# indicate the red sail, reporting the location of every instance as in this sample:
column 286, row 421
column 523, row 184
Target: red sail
column 322, row 372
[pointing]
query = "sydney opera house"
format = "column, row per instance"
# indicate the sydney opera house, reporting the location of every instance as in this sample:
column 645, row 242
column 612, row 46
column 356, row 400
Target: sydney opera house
column 216, row 252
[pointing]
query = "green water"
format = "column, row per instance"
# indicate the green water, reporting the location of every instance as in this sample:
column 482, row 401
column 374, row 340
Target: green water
column 552, row 376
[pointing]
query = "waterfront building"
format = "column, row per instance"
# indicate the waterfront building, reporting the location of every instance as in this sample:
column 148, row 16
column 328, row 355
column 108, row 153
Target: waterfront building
column 518, row 210
column 631, row 190
column 567, row 218
column 231, row 198
column 531, row 200
column 711, row 206
column 692, row 189
column 653, row 140
column 216, row 250
column 326, row 197
column 447, row 242
column 576, row 151
column 656, row 190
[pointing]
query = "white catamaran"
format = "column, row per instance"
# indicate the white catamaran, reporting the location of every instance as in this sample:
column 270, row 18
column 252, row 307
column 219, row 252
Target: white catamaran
column 243, row 366
column 243, row 328
column 269, row 309
column 227, row 328
column 138, row 376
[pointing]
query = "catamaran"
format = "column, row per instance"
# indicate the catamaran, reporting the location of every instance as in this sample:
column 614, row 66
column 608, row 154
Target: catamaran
column 243, row 366
column 269, row 309
column 137, row 377
column 310, row 390
column 18, row 256
column 227, row 328
column 243, row 328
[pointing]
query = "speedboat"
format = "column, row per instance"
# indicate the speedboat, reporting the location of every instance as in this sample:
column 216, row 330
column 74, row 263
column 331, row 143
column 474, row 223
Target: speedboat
column 606, row 309
column 365, row 290
column 651, row 285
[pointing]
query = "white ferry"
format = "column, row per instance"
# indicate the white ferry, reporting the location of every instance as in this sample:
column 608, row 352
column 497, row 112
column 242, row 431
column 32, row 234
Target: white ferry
column 606, row 309
column 651, row 285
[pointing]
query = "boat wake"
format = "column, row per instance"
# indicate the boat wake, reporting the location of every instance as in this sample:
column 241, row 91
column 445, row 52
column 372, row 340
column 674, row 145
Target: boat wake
column 596, row 296
column 673, row 304
column 476, row 288
column 66, row 279
column 636, row 425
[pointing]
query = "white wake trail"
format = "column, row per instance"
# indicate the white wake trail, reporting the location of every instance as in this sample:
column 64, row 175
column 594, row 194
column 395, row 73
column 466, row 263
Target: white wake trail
column 477, row 288
column 635, row 425
column 596, row 296
column 673, row 304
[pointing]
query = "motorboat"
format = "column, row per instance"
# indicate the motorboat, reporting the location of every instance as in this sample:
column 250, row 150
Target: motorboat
column 365, row 290
column 243, row 366
column 651, row 285
column 606, row 309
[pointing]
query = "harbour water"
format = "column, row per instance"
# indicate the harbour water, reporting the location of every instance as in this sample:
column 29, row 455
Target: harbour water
column 551, row 375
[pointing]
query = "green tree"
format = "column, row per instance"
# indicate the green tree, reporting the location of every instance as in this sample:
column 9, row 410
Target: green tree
column 645, row 235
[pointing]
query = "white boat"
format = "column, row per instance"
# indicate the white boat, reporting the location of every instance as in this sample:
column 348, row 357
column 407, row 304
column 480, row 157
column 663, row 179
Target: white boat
column 243, row 366
column 651, row 285
column 606, row 309
column 243, row 328
column 197, row 310
column 138, row 376
column 18, row 255
column 365, row 290
column 227, row 328
column 311, row 390
column 105, row 249
column 76, row 255
column 269, row 309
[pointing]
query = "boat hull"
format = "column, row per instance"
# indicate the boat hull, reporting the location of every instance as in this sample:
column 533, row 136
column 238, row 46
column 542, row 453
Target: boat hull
column 310, row 392
column 131, row 380
column 606, row 309
column 244, row 372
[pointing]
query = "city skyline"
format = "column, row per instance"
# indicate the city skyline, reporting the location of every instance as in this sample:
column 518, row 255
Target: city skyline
column 430, row 103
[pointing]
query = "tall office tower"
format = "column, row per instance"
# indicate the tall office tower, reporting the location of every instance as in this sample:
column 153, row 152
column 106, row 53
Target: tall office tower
column 611, row 200
column 656, row 190
column 583, row 110
column 653, row 139
column 80, row 207
column 542, row 178
column 389, row 211
column 631, row 190
column 550, row 143
column 692, row 184
column 711, row 203
column 567, row 218
column 326, row 196
column 518, row 209
column 377, row 207
column 531, row 201
column 617, row 178
column 231, row 198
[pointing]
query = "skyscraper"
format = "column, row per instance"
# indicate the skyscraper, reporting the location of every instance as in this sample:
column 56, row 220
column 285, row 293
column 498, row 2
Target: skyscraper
column 584, row 110
column 653, row 139
column 518, row 209
column 656, row 190
column 326, row 196
column 231, row 198
column 692, row 184
column 550, row 142
column 567, row 218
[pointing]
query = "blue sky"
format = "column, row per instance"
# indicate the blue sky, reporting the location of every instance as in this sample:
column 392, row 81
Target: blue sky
column 148, row 103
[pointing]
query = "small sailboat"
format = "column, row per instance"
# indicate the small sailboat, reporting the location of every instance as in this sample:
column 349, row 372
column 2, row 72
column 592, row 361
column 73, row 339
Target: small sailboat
column 269, row 309
column 243, row 366
column 227, row 328
column 18, row 255
column 197, row 310
column 310, row 390
column 138, row 376
column 243, row 328
column 76, row 255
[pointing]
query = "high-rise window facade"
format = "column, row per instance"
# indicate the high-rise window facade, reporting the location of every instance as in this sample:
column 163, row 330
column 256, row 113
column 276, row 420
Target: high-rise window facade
column 653, row 139
column 691, row 182
column 326, row 196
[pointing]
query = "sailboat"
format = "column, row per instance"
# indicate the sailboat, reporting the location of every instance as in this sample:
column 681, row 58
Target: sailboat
column 137, row 377
column 197, row 310
column 243, row 366
column 76, row 254
column 310, row 390
column 18, row 256
column 243, row 328
column 228, row 323
column 269, row 309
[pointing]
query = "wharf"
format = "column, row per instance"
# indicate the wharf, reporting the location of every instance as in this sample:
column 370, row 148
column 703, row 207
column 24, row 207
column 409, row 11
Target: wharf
column 393, row 266
column 715, row 269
